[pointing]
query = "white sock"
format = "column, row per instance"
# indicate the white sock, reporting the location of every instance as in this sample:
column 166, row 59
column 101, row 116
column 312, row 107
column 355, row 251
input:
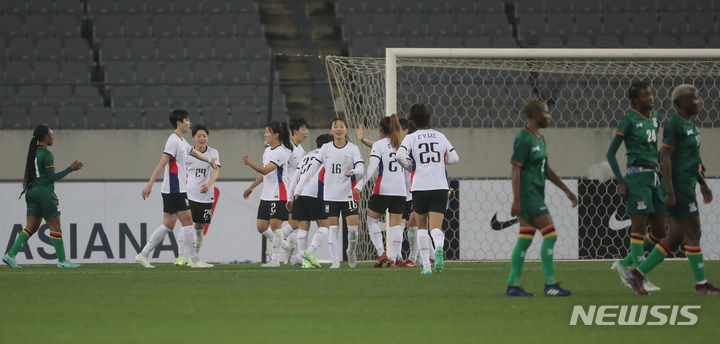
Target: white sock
column 423, row 240
column 352, row 238
column 198, row 239
column 155, row 238
column 287, row 230
column 438, row 237
column 412, row 238
column 376, row 235
column 188, row 234
column 396, row 238
column 181, row 243
column 333, row 242
column 292, row 238
column 302, row 241
column 318, row 239
column 277, row 244
column 268, row 234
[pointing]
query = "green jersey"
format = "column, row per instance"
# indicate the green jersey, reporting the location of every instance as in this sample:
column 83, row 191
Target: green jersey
column 530, row 154
column 43, row 159
column 684, row 137
column 640, row 134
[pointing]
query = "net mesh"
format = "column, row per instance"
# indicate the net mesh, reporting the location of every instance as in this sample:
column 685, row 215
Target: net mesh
column 587, row 99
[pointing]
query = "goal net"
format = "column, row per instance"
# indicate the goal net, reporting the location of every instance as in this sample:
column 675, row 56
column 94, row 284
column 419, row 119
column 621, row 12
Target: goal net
column 476, row 97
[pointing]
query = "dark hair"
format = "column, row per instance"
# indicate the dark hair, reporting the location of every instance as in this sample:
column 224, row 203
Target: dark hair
column 200, row 127
column 420, row 115
column 178, row 115
column 410, row 127
column 282, row 129
column 296, row 124
column 635, row 89
column 404, row 123
column 341, row 120
column 38, row 135
column 390, row 126
column 323, row 139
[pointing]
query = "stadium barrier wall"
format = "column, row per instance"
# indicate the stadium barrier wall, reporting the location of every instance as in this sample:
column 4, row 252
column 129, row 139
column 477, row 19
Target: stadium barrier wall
column 132, row 155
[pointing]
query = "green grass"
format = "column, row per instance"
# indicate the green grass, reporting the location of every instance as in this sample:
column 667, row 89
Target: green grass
column 248, row 304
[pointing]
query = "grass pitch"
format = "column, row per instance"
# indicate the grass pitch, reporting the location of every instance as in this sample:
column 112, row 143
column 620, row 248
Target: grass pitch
column 249, row 304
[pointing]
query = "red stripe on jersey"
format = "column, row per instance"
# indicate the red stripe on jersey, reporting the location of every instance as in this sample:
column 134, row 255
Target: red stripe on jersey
column 321, row 176
column 376, row 189
column 173, row 166
column 620, row 133
column 281, row 184
column 412, row 175
column 353, row 182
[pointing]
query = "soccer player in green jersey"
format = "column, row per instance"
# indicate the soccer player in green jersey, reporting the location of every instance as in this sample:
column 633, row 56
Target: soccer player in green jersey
column 641, row 188
column 680, row 164
column 530, row 169
column 39, row 190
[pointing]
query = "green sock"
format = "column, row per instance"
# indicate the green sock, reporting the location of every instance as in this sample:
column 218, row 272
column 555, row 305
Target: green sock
column 649, row 242
column 655, row 257
column 627, row 261
column 57, row 241
column 518, row 255
column 20, row 241
column 637, row 251
column 695, row 257
column 546, row 253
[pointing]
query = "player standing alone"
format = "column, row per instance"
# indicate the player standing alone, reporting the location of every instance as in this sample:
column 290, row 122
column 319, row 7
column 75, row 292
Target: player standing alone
column 641, row 189
column 39, row 190
column 680, row 165
column 530, row 169
column 174, row 190
column 200, row 179
column 430, row 151
column 343, row 163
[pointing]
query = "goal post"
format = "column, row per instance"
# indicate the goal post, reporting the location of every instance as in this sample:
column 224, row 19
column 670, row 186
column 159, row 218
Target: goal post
column 476, row 97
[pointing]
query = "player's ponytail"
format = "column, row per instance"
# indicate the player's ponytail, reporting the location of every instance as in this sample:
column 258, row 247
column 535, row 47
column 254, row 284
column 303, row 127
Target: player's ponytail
column 390, row 126
column 38, row 135
column 285, row 136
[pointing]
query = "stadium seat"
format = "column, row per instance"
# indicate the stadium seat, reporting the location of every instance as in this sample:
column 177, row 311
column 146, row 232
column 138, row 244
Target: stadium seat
column 13, row 7
column 221, row 25
column 259, row 71
column 131, row 7
column 129, row 118
column 646, row 24
column 164, row 26
column 497, row 25
column 593, row 7
column 441, row 25
column 356, row 25
column 18, row 71
column 249, row 25
column 531, row 28
column 37, row 26
column 15, row 118
column 107, row 26
column 687, row 41
column 157, row 117
column 87, row 96
column 524, row 7
column 383, row 25
column 469, row 24
column 561, row 24
column 43, row 115
column 243, row 7
column 10, row 27
column 678, row 6
column 234, row 71
column 119, row 72
column 30, row 95
column 114, row 50
column 214, row 6
column 642, row 6
column 617, row 24
column 345, row 7
column 256, row 48
column 66, row 26
column 462, row 6
column 59, row 95
column 449, row 42
column 241, row 95
column 607, row 42
column 432, row 7
column 101, row 7
column 588, row 24
column 714, row 42
column 378, row 6
column 550, row 42
column 504, row 42
column 213, row 95
column 413, row 25
column 186, row 6
column 228, row 49
column 184, row 96
column 406, row 6
column 205, row 72
column 136, row 26
column 154, row 95
column 99, row 117
column 156, row 7
column 364, row 46
column 175, row 72
column 125, row 96
column 199, row 49
column 21, row 49
column 192, row 25
column 702, row 24
column 77, row 49
column 615, row 6
column 244, row 117
column 71, row 117
column 673, row 23
column 69, row 7
column 392, row 42
column 477, row 42
column 421, row 41
column 143, row 49
column 171, row 49
column 216, row 117
column 558, row 6
column 44, row 7
column 636, row 42
column 47, row 71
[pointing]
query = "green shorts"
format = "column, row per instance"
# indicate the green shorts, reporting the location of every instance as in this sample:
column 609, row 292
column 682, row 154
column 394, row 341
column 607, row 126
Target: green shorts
column 646, row 194
column 686, row 205
column 532, row 206
column 42, row 201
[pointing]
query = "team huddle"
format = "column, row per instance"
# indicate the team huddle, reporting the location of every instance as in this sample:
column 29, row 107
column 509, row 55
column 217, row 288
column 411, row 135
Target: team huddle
column 412, row 187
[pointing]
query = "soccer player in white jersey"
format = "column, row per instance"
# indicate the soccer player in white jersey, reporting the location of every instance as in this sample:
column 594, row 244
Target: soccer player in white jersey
column 343, row 163
column 431, row 151
column 199, row 181
column 299, row 129
column 308, row 205
column 389, row 193
column 274, row 175
column 174, row 190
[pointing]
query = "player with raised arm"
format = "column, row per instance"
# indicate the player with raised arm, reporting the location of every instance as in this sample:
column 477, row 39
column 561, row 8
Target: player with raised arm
column 641, row 188
column 274, row 176
column 42, row 203
column 343, row 163
column 431, row 151
column 308, row 205
column 200, row 180
column 174, row 190
column 299, row 129
column 680, row 164
column 530, row 169
column 389, row 192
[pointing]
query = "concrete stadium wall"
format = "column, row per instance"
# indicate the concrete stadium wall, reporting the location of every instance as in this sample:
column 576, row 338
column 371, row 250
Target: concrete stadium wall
column 111, row 155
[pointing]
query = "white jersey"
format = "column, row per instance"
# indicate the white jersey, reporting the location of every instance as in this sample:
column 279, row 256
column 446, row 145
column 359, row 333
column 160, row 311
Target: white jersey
column 315, row 187
column 391, row 175
column 175, row 177
column 275, row 182
column 295, row 157
column 431, row 151
column 338, row 162
column 408, row 180
column 199, row 174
